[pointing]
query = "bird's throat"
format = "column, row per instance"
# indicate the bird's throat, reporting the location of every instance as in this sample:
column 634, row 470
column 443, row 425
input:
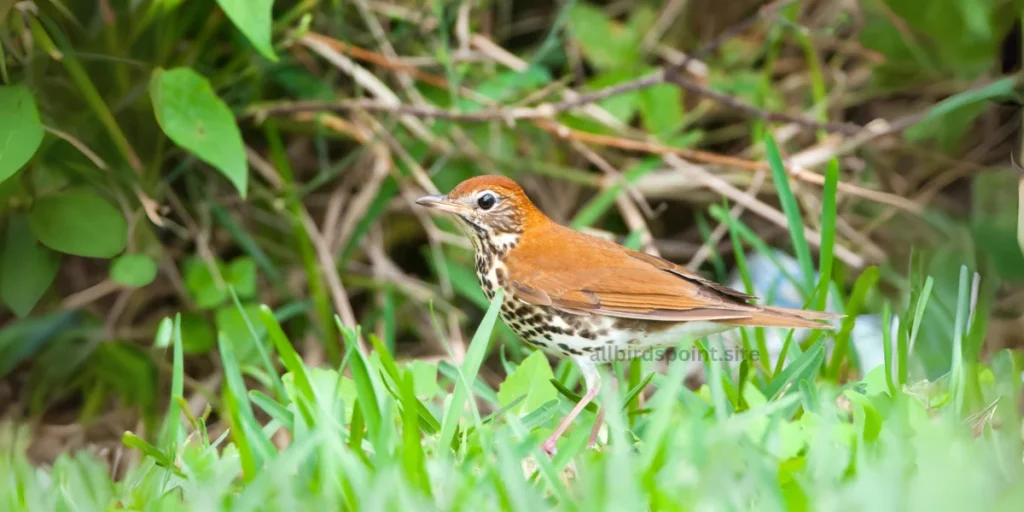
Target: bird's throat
column 490, row 253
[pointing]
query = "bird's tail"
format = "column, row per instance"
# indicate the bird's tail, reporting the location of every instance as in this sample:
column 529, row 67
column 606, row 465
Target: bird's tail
column 786, row 318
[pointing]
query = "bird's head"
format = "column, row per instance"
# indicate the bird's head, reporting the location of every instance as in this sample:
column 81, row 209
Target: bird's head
column 491, row 209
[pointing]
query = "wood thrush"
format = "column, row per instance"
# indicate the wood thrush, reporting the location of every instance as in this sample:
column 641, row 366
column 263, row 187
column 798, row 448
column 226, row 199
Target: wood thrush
column 578, row 296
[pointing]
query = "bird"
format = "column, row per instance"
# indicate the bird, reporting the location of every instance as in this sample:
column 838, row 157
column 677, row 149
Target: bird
column 577, row 296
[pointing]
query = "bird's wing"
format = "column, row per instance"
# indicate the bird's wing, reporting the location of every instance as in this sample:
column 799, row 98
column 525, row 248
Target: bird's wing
column 589, row 275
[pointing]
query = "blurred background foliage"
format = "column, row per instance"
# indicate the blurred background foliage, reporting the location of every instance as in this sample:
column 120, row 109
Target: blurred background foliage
column 152, row 161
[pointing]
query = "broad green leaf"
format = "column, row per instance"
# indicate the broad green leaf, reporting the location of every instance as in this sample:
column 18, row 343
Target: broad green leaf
column 190, row 113
column 622, row 106
column 134, row 270
column 661, row 108
column 197, row 336
column 994, row 221
column 914, row 37
column 875, row 382
column 202, row 283
column 27, row 269
column 533, row 379
column 20, row 129
column 253, row 19
column 230, row 320
column 241, row 273
column 605, row 44
column 424, row 378
column 79, row 222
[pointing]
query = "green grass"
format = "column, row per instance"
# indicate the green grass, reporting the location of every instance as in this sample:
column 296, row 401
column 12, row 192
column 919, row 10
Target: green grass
column 367, row 436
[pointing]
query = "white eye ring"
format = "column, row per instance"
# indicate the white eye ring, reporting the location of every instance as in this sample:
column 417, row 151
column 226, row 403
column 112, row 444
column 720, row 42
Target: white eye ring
column 486, row 200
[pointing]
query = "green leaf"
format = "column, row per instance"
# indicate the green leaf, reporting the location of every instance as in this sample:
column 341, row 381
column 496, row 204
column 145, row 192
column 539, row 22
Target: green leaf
column 365, row 391
column 253, row 19
column 27, row 269
column 201, row 282
column 292, row 362
column 273, row 409
column 914, row 37
column 133, row 441
column 134, row 270
column 241, row 273
column 994, row 223
column 424, row 378
column 252, row 444
column 531, row 379
column 79, row 222
column 230, row 320
column 804, row 367
column 605, row 44
column 191, row 114
column 197, row 334
column 20, row 129
column 661, row 108
column 622, row 106
column 950, row 118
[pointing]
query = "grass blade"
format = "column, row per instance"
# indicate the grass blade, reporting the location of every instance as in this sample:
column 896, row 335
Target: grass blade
column 470, row 367
column 792, row 211
column 828, row 232
column 171, row 434
column 412, row 445
column 292, row 362
column 804, row 367
column 365, row 390
column 273, row 409
column 253, row 445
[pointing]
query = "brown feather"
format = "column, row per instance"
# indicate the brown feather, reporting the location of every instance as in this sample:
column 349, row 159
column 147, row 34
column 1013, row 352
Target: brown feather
column 786, row 318
column 557, row 266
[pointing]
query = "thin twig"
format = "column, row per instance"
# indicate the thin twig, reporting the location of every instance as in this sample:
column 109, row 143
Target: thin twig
column 722, row 228
column 89, row 295
column 370, row 82
column 707, row 157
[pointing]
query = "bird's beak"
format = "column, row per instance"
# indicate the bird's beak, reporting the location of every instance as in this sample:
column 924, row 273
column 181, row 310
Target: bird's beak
column 440, row 203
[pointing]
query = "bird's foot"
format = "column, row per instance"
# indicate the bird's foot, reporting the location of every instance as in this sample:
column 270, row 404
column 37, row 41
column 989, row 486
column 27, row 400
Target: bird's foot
column 549, row 448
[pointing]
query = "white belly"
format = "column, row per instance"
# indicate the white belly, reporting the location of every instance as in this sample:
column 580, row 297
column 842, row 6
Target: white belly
column 627, row 345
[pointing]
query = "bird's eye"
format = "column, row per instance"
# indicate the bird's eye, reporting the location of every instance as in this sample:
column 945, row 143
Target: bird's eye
column 486, row 201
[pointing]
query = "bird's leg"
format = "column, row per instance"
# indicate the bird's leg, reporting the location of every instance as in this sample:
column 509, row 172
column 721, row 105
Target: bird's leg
column 597, row 423
column 597, row 427
column 592, row 379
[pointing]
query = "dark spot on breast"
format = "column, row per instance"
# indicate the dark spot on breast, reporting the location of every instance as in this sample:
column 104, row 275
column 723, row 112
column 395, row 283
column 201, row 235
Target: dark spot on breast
column 563, row 346
column 585, row 334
